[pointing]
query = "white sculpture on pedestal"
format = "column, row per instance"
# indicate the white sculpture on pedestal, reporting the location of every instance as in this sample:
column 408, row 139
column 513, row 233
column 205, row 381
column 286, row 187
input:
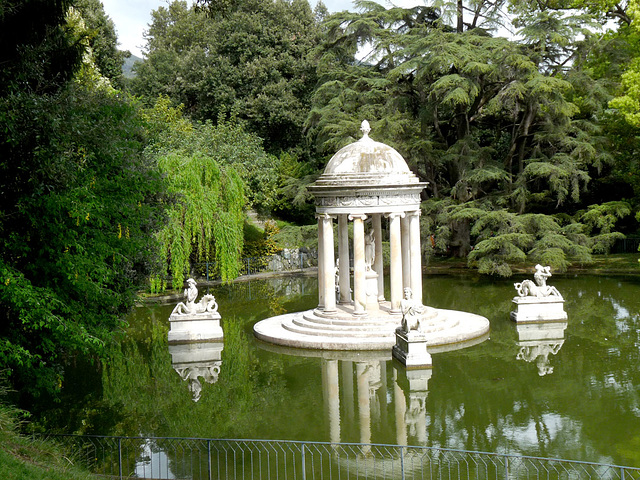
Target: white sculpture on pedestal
column 206, row 304
column 540, row 288
column 411, row 339
column 538, row 302
column 195, row 322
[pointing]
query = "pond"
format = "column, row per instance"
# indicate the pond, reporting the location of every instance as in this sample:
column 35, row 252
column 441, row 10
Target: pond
column 569, row 390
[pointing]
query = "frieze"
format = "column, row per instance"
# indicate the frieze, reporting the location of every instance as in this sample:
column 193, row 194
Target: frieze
column 367, row 201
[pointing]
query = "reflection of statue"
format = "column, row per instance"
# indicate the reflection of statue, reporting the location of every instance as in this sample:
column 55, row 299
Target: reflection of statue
column 540, row 288
column 207, row 303
column 208, row 373
column 540, row 353
column 369, row 250
column 411, row 312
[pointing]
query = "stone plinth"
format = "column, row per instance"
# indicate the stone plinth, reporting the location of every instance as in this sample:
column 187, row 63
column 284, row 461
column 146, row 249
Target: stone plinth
column 371, row 288
column 534, row 309
column 198, row 327
column 411, row 349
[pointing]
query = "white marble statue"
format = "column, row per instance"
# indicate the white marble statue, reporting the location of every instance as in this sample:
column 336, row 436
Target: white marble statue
column 539, row 288
column 207, row 303
column 369, row 250
column 411, row 312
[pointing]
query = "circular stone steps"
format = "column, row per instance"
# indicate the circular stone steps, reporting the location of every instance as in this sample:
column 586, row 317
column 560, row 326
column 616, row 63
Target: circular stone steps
column 313, row 329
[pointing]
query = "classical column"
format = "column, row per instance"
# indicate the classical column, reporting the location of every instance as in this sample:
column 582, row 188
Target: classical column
column 343, row 255
column 359, row 281
column 378, row 265
column 406, row 252
column 396, row 261
column 416, row 255
column 320, row 264
column 328, row 264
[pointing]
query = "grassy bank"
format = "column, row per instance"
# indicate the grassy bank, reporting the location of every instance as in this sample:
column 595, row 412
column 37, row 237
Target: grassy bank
column 23, row 458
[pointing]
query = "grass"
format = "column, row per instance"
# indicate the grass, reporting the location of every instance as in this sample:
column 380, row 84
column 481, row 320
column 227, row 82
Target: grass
column 23, row 458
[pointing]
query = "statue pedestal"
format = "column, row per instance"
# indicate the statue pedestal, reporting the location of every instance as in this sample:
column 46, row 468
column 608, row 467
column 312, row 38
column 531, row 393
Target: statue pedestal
column 534, row 309
column 411, row 349
column 198, row 327
column 371, row 289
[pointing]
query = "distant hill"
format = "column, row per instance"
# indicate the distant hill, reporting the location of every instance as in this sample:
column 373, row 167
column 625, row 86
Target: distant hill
column 127, row 66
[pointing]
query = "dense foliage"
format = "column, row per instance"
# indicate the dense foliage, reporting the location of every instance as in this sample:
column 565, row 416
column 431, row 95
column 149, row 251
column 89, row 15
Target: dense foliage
column 529, row 143
column 508, row 132
column 252, row 60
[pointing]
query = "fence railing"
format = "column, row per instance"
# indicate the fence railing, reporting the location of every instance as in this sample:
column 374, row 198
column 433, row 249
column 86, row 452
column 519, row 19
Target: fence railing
column 626, row 245
column 252, row 265
column 208, row 459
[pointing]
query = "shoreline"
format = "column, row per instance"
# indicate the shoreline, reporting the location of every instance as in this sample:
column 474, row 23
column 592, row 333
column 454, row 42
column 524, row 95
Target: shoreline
column 623, row 264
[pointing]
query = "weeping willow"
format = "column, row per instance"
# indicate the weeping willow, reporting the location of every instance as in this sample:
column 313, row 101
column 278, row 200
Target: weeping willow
column 206, row 220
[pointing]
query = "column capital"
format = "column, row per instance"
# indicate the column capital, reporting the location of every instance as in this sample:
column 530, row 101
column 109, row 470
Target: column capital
column 394, row 215
column 325, row 216
column 414, row 213
column 359, row 216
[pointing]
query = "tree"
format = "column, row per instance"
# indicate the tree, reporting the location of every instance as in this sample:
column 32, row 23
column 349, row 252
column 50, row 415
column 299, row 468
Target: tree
column 209, row 168
column 80, row 200
column 494, row 125
column 252, row 60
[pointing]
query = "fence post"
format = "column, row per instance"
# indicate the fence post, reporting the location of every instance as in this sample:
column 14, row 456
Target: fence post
column 621, row 473
column 120, row 457
column 209, row 458
column 402, row 463
column 506, row 468
column 304, row 470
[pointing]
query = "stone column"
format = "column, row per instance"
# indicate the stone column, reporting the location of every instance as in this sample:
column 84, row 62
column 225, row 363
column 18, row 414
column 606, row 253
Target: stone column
column 396, row 261
column 416, row 255
column 343, row 255
column 406, row 252
column 329, row 283
column 378, row 265
column 359, row 280
column 320, row 265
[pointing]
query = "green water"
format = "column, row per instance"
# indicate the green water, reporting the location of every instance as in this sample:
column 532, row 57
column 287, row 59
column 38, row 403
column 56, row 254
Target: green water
column 574, row 397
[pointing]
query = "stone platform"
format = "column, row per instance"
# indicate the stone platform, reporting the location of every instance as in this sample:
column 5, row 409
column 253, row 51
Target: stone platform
column 341, row 330
column 192, row 328
column 535, row 309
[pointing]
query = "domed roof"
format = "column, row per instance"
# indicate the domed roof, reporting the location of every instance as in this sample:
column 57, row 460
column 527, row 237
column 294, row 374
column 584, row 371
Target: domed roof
column 367, row 156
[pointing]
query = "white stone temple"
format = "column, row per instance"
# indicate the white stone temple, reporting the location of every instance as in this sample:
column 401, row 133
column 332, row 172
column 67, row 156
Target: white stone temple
column 369, row 185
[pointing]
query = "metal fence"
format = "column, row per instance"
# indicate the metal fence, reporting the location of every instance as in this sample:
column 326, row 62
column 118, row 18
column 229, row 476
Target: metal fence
column 252, row 265
column 626, row 245
column 208, row 459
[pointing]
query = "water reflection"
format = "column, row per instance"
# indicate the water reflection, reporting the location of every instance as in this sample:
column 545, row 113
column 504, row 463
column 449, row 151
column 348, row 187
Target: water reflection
column 360, row 393
column 475, row 398
column 539, row 340
column 193, row 361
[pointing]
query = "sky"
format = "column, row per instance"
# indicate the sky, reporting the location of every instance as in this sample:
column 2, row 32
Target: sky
column 132, row 17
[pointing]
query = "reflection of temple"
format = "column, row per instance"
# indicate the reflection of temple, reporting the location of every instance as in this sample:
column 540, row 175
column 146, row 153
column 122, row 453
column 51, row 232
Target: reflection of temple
column 193, row 361
column 359, row 392
column 537, row 341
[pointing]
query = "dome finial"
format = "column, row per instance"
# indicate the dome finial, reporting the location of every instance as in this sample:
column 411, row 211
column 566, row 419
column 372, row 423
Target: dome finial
column 365, row 128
